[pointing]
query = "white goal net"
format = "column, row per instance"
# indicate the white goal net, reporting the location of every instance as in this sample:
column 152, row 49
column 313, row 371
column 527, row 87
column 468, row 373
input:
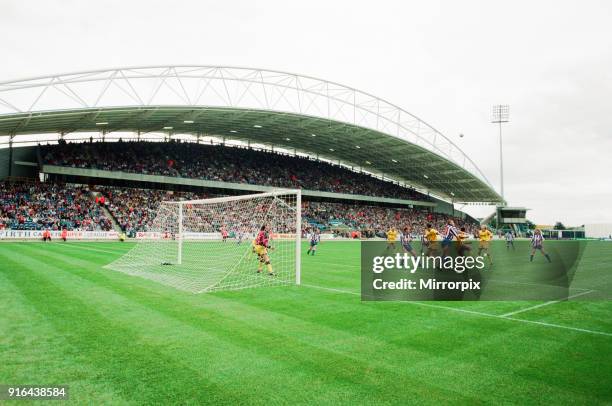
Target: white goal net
column 210, row 244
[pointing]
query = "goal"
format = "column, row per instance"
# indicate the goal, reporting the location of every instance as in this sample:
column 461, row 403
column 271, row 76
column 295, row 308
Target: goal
column 208, row 245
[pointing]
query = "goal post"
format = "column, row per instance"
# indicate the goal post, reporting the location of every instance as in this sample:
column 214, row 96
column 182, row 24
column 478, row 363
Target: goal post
column 179, row 259
column 298, row 237
column 209, row 244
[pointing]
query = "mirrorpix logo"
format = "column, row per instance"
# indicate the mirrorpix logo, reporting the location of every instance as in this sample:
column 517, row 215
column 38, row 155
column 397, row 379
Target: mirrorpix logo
column 390, row 275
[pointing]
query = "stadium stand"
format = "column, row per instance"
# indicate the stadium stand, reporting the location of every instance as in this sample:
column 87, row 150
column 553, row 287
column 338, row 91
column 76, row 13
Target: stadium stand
column 54, row 205
column 134, row 209
column 218, row 163
column 36, row 206
column 372, row 220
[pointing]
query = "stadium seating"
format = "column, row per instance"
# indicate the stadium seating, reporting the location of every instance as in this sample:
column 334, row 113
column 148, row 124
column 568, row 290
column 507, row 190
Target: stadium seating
column 36, row 206
column 134, row 209
column 374, row 220
column 218, row 163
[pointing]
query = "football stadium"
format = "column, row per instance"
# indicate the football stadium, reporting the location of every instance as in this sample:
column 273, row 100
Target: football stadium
column 198, row 234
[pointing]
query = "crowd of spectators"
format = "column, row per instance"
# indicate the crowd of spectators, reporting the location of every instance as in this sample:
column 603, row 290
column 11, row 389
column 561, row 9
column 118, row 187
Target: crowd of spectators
column 37, row 206
column 225, row 164
column 135, row 209
column 374, row 220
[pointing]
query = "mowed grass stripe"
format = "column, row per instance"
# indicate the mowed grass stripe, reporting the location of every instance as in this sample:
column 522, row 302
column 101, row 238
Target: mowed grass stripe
column 213, row 347
column 432, row 358
column 338, row 367
column 319, row 270
column 485, row 303
column 103, row 248
column 397, row 344
column 494, row 346
column 590, row 315
column 248, row 312
column 137, row 370
column 332, row 340
column 31, row 349
column 590, row 268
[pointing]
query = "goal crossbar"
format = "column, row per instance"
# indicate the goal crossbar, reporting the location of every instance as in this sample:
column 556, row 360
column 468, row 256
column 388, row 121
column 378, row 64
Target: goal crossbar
column 275, row 193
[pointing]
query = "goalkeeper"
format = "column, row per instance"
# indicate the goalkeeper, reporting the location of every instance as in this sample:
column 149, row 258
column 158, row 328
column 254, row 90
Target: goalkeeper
column 262, row 244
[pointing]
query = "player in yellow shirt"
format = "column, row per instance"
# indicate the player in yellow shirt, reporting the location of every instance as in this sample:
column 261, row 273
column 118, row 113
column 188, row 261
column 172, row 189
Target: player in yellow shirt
column 256, row 251
column 484, row 237
column 431, row 240
column 262, row 244
column 463, row 247
column 391, row 237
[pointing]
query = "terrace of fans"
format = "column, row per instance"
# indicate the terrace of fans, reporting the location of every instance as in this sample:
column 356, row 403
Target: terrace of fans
column 36, row 206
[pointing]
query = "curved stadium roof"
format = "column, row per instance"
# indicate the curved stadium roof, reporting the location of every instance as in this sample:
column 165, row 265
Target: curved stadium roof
column 291, row 111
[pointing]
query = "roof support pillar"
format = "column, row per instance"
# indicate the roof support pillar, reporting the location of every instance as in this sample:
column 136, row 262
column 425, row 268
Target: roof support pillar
column 10, row 160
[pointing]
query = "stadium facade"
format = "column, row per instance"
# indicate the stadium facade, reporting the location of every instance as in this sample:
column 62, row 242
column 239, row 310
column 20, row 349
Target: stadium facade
column 258, row 108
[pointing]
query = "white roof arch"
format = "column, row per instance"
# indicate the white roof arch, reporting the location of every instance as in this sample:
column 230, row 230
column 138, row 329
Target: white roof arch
column 259, row 105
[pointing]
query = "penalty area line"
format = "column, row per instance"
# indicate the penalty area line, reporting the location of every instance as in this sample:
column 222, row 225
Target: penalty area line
column 545, row 304
column 422, row 304
column 496, row 316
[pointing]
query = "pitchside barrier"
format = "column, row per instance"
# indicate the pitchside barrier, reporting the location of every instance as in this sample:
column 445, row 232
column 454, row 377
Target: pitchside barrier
column 57, row 234
column 148, row 235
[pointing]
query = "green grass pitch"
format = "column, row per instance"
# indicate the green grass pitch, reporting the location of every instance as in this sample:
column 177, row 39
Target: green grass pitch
column 118, row 339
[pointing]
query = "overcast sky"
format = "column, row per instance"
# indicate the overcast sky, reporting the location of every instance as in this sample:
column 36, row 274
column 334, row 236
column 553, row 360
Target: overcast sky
column 446, row 62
